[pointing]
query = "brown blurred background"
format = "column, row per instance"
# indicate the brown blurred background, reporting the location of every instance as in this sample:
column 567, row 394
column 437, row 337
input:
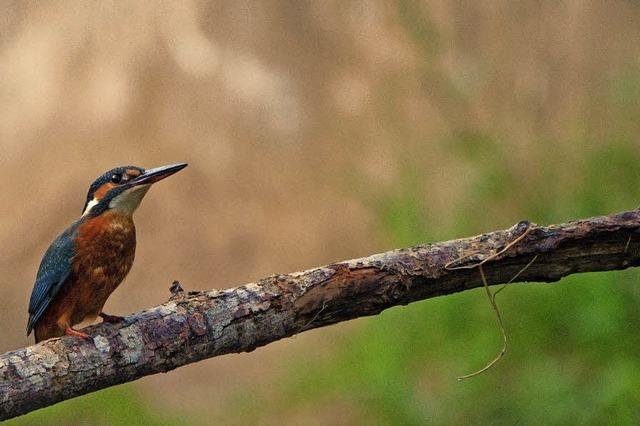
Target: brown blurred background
column 315, row 132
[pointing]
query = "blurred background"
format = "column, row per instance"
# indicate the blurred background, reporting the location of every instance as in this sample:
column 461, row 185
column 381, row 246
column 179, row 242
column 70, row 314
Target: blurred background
column 322, row 131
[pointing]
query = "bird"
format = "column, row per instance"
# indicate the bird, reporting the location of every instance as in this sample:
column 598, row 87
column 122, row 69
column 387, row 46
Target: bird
column 89, row 259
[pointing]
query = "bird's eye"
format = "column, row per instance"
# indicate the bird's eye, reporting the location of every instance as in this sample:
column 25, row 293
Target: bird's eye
column 116, row 178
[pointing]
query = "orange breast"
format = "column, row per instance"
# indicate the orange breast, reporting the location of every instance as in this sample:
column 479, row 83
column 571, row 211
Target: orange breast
column 105, row 248
column 105, row 252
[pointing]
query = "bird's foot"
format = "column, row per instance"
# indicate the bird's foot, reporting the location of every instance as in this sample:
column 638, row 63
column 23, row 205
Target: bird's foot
column 71, row 332
column 111, row 318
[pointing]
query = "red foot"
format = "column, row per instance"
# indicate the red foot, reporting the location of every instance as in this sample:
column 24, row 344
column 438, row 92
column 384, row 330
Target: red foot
column 71, row 332
column 111, row 318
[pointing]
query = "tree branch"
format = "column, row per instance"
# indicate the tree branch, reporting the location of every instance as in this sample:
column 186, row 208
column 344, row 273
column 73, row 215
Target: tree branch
column 198, row 325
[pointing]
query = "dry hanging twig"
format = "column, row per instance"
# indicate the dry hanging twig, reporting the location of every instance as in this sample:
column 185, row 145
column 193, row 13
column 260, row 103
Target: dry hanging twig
column 492, row 296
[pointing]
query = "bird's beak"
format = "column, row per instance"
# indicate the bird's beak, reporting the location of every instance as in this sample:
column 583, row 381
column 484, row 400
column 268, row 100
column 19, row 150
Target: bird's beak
column 154, row 175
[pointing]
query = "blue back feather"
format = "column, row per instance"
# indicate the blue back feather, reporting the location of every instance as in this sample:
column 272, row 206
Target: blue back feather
column 55, row 268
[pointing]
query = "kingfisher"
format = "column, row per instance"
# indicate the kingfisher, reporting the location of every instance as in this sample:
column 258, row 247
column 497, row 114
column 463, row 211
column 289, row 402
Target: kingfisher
column 87, row 262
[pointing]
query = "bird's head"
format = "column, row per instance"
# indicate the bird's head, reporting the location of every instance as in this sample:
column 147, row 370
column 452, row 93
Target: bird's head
column 122, row 189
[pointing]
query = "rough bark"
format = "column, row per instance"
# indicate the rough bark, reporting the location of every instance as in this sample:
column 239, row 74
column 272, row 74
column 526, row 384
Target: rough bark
column 198, row 325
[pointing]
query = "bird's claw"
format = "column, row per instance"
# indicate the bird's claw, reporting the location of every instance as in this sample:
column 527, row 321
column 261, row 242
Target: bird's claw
column 71, row 332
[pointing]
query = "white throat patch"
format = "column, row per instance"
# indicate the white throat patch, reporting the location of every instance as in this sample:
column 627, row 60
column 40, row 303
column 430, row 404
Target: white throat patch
column 91, row 204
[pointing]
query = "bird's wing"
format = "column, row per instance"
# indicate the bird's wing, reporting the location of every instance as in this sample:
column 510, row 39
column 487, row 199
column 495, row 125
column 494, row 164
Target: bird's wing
column 55, row 268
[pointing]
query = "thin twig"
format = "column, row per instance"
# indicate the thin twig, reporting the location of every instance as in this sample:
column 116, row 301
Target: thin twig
column 502, row 329
column 492, row 299
column 493, row 256
column 626, row 247
column 515, row 276
column 492, row 296
column 304, row 327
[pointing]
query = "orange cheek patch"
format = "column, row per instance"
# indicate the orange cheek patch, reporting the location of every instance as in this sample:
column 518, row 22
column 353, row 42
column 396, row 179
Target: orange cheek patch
column 102, row 191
